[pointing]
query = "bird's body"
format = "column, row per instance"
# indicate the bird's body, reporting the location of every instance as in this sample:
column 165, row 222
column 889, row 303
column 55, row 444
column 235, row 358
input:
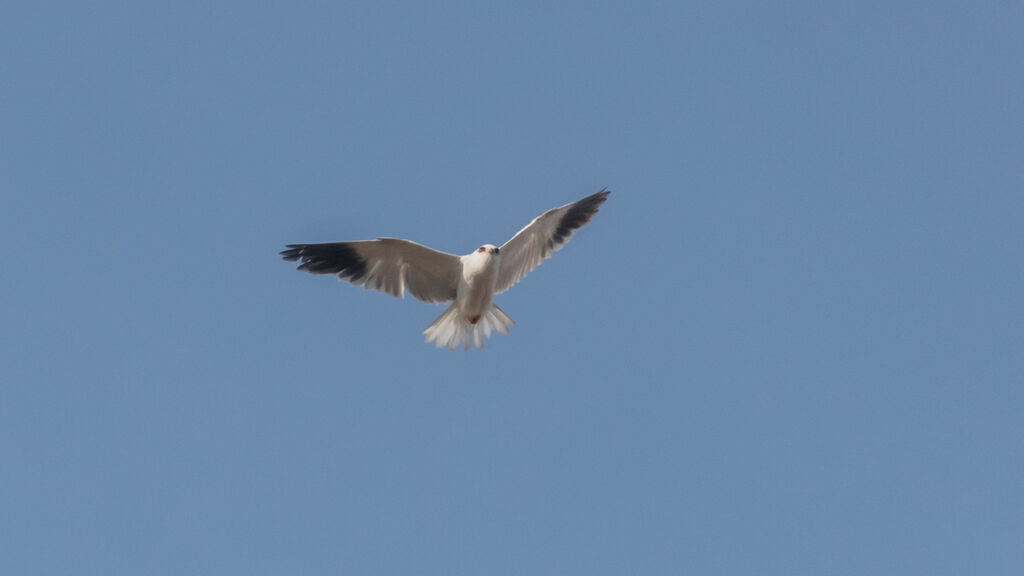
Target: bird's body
column 478, row 277
column 474, row 315
column 392, row 265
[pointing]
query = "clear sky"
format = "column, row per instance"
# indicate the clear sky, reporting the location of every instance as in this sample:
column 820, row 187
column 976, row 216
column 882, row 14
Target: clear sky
column 791, row 342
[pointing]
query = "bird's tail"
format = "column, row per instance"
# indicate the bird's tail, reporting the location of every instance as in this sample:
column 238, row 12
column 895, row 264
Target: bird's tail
column 451, row 329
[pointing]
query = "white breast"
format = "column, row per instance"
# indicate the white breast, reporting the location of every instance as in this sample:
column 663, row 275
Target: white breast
column 476, row 285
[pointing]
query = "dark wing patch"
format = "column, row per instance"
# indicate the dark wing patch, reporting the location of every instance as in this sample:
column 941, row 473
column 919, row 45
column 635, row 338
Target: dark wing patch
column 331, row 258
column 390, row 265
column 539, row 239
column 580, row 213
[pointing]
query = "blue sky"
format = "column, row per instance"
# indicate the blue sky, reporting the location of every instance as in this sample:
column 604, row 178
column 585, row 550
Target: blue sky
column 790, row 343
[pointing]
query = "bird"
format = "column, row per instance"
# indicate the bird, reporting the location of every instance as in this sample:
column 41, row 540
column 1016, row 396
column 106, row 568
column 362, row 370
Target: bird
column 396, row 266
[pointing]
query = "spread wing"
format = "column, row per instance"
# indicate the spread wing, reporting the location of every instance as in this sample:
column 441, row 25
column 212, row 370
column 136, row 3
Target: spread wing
column 386, row 264
column 541, row 237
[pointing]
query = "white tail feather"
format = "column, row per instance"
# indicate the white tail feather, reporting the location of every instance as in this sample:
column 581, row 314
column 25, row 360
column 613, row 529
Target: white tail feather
column 451, row 329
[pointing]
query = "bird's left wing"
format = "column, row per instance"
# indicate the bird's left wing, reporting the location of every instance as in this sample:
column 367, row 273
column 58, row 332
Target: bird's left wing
column 390, row 265
column 542, row 236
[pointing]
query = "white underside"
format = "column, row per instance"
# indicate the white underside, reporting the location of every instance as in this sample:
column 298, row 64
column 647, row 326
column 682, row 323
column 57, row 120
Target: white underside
column 473, row 316
column 453, row 329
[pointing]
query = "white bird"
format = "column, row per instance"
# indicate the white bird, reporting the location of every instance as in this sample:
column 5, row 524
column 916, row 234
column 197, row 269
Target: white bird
column 393, row 266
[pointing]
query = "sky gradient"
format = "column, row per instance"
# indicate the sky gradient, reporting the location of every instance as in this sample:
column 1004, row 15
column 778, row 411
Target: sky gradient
column 789, row 343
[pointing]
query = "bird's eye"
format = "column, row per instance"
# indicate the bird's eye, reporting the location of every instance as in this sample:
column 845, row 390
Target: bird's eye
column 480, row 249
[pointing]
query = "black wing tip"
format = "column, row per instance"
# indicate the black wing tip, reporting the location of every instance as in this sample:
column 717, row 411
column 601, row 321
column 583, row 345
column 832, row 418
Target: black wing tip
column 590, row 204
column 577, row 216
column 332, row 258
column 292, row 252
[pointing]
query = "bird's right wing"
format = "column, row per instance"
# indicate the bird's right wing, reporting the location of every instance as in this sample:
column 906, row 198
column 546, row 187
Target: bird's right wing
column 542, row 236
column 386, row 264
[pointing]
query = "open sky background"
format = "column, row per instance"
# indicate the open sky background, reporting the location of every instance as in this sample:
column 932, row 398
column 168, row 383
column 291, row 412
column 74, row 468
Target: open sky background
column 792, row 341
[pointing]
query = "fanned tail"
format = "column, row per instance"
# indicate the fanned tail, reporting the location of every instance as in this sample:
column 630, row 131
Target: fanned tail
column 451, row 329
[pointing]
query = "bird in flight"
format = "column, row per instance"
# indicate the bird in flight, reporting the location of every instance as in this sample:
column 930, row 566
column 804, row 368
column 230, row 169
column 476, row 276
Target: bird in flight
column 393, row 266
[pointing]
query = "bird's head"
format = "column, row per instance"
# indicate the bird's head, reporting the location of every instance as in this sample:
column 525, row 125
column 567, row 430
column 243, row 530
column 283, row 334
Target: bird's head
column 489, row 249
